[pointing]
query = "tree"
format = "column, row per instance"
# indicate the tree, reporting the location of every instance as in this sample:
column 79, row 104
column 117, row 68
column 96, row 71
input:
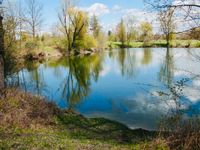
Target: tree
column 166, row 73
column 146, row 32
column 95, row 27
column 73, row 23
column 130, row 27
column 186, row 10
column 10, row 23
column 1, row 36
column 167, row 24
column 195, row 34
column 34, row 17
column 21, row 21
column 121, row 33
column 1, row 51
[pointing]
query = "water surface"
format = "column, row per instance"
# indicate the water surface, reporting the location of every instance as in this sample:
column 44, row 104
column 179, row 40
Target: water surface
column 125, row 85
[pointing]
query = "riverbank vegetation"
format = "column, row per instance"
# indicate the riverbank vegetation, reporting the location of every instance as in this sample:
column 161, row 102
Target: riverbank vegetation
column 40, row 124
column 78, row 33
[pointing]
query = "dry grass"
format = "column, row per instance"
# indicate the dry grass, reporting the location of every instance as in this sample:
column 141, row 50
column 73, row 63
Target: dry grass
column 182, row 133
column 37, row 118
column 186, row 136
column 29, row 122
column 24, row 110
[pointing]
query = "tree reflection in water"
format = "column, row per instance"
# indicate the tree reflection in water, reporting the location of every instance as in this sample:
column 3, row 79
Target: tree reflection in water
column 80, row 73
column 147, row 56
column 108, row 84
column 166, row 73
column 127, row 62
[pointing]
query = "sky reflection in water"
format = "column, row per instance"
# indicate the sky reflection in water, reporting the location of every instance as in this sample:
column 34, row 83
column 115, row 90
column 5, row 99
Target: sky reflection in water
column 120, row 84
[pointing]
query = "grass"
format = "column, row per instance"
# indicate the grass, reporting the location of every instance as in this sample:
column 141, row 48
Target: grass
column 29, row 122
column 160, row 43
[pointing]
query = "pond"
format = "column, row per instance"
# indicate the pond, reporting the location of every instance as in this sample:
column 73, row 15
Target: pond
column 131, row 86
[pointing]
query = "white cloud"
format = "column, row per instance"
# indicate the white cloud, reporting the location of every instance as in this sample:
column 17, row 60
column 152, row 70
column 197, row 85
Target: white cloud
column 97, row 9
column 141, row 16
column 181, row 2
column 105, row 71
column 116, row 8
column 183, row 19
column 192, row 94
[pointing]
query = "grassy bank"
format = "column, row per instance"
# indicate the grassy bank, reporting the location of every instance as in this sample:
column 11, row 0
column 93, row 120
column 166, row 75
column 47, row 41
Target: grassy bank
column 28, row 122
column 160, row 43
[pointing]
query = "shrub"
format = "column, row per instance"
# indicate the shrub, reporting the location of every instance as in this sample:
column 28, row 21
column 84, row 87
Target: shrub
column 182, row 133
column 30, row 46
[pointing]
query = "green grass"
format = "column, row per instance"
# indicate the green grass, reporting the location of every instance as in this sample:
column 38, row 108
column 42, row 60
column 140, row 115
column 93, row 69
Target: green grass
column 160, row 43
column 28, row 122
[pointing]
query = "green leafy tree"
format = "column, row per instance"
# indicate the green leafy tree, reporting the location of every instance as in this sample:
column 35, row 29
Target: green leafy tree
column 121, row 33
column 73, row 24
column 146, row 30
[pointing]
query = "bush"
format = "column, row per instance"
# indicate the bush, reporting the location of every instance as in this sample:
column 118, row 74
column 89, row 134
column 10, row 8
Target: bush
column 182, row 133
column 30, row 46
column 197, row 44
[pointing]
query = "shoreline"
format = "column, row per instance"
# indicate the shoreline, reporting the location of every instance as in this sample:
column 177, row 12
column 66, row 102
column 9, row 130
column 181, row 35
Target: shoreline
column 44, row 55
column 38, row 117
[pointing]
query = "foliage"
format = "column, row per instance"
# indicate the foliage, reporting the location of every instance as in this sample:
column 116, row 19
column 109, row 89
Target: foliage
column 146, row 32
column 89, row 42
column 121, row 33
column 31, row 46
column 161, row 43
column 73, row 24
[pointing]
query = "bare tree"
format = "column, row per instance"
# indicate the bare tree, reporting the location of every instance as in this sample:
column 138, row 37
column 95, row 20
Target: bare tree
column 130, row 27
column 34, row 16
column 167, row 23
column 188, row 11
column 21, row 20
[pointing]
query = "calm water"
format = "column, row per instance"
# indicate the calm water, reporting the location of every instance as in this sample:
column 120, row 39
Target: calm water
column 131, row 86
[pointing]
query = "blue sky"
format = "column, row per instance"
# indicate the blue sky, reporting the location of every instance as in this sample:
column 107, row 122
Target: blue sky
column 109, row 12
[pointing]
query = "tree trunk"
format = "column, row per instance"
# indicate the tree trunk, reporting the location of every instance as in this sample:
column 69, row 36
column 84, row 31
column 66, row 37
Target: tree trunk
column 1, row 37
column 1, row 73
column 168, row 40
column 1, row 53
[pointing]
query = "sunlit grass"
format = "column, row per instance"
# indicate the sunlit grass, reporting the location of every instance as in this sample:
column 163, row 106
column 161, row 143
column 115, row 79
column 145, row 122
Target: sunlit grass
column 41, row 125
column 160, row 43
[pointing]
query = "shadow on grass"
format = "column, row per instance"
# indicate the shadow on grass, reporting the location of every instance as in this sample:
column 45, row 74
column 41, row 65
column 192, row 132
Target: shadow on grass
column 39, row 123
column 103, row 130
